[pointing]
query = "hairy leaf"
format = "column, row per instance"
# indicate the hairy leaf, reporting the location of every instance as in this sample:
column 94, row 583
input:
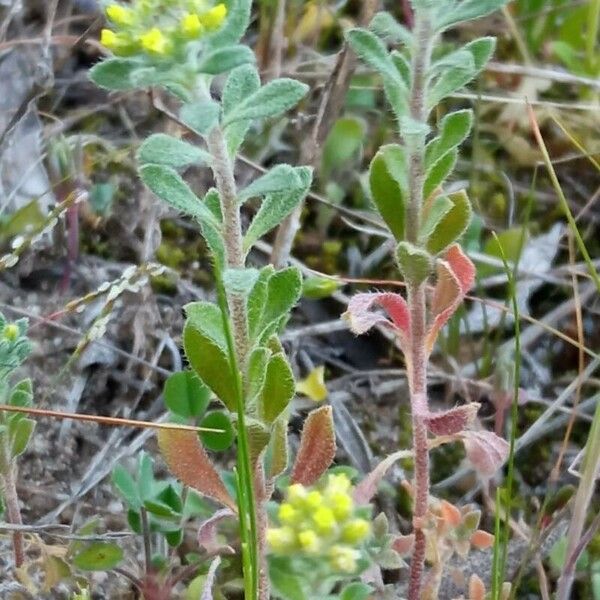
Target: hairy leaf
column 114, row 74
column 485, row 450
column 452, row 421
column 185, row 395
column 278, row 389
column 452, row 80
column 386, row 27
column 387, row 179
column 211, row 364
column 236, row 23
column 207, row 318
column 201, row 116
column 433, row 212
column 188, row 461
column 414, row 263
column 225, row 59
column 271, row 100
column 454, row 129
column 452, row 225
column 240, row 281
column 278, row 453
column 279, row 179
column 169, row 151
column 317, row 447
column 467, row 10
column 241, row 83
column 439, row 172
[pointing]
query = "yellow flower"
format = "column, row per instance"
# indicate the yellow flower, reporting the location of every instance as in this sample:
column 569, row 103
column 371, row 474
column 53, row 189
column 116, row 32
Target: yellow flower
column 324, row 520
column 313, row 500
column 11, row 332
column 355, row 531
column 213, row 19
column 288, row 514
column 338, row 484
column 309, row 541
column 154, row 41
column 342, row 505
column 119, row 14
column 296, row 493
column 191, row 25
column 342, row 558
column 109, row 39
column 281, row 539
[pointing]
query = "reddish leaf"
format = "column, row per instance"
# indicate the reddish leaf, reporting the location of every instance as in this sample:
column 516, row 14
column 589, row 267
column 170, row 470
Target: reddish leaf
column 450, row 514
column 188, row 461
column 476, row 588
column 361, row 317
column 485, row 450
column 403, row 544
column 367, row 488
column 207, row 533
column 482, row 539
column 317, row 447
column 210, row 579
column 453, row 421
column 455, row 277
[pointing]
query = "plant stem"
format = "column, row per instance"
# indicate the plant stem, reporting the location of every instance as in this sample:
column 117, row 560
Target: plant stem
column 237, row 341
column 417, row 354
column 8, row 484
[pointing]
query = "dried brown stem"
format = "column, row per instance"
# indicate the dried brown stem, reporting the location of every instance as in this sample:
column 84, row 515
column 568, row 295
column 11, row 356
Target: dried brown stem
column 8, row 484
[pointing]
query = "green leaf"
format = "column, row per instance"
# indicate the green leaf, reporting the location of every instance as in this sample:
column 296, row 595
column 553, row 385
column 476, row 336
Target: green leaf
column 284, row 289
column 356, row 591
column 454, row 129
column 185, row 395
column 415, row 263
column 374, row 53
column 225, row 59
column 217, row 441
column 286, row 585
column 242, row 82
column 466, row 11
column 100, row 556
column 169, row 151
column 240, row 281
column 317, row 288
column 271, row 100
column 403, row 66
column 258, row 438
column 256, row 372
column 387, row 179
column 168, row 185
column 344, row 141
column 115, row 74
column 279, row 179
column 160, row 509
column 236, row 23
column 277, row 206
column 211, row 364
column 452, row 225
column 201, row 116
column 127, row 487
column 452, row 80
column 207, row 318
column 145, row 475
column 438, row 209
column 20, row 434
column 21, row 394
column 212, row 232
column 386, row 27
column 439, row 172
column 277, row 453
column 278, row 389
column 257, row 299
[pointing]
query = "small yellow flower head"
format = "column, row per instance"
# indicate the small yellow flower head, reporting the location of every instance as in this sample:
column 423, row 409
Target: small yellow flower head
column 288, row 514
column 281, row 539
column 342, row 505
column 324, row 520
column 119, row 15
column 154, row 41
column 109, row 39
column 11, row 332
column 338, row 484
column 355, row 531
column 309, row 541
column 213, row 19
column 191, row 26
column 296, row 494
column 342, row 558
column 313, row 500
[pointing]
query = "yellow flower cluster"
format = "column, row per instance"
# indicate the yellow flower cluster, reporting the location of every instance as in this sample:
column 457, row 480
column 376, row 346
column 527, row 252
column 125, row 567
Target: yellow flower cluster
column 159, row 28
column 321, row 522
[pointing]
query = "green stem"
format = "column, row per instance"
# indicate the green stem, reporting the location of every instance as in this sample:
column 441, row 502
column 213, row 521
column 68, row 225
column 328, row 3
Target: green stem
column 416, row 356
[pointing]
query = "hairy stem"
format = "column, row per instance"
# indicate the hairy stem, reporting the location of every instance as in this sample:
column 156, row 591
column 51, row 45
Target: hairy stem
column 417, row 354
column 8, row 484
column 254, row 561
column 223, row 171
